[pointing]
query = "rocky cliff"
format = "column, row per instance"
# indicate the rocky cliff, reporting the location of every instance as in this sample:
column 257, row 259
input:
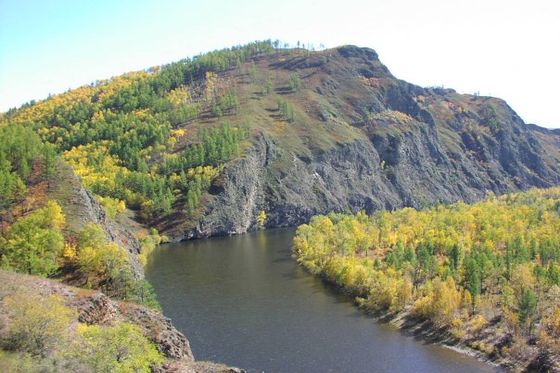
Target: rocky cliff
column 81, row 208
column 95, row 308
column 364, row 140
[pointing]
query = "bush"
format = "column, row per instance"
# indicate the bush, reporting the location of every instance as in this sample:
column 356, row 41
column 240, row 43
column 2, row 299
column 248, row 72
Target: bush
column 105, row 266
column 119, row 348
column 441, row 302
column 41, row 337
column 294, row 83
column 101, row 263
column 34, row 244
column 37, row 325
column 97, row 259
column 112, row 206
column 149, row 243
column 17, row 362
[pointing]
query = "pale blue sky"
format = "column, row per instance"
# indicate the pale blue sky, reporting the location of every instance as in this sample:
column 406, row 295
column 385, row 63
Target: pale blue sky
column 502, row 48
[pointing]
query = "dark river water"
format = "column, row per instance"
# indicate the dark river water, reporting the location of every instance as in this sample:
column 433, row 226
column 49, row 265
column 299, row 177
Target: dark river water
column 245, row 302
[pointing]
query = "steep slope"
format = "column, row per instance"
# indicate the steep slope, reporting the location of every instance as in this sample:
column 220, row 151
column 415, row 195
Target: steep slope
column 362, row 139
column 81, row 208
column 203, row 147
column 50, row 225
column 95, row 308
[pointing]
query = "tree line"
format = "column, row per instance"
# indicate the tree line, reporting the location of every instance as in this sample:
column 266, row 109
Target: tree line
column 124, row 127
column 21, row 154
column 462, row 267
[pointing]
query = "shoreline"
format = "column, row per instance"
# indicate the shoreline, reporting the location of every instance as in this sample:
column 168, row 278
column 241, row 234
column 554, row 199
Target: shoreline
column 421, row 330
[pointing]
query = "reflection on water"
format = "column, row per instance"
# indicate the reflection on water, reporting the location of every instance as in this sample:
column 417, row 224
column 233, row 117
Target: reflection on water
column 245, row 302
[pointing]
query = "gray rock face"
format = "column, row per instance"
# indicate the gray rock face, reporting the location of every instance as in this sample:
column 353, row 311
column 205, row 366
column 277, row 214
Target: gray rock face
column 81, row 208
column 378, row 143
column 383, row 172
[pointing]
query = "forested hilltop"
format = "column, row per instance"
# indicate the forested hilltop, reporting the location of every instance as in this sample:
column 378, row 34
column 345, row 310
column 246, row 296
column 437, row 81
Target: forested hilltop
column 128, row 138
column 485, row 275
column 205, row 146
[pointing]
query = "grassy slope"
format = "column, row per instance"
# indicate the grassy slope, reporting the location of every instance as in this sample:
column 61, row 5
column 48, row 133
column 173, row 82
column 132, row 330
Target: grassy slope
column 306, row 136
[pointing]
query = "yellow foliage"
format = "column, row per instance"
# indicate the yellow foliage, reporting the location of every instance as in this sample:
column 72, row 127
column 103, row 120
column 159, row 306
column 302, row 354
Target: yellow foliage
column 97, row 258
column 69, row 252
column 522, row 278
column 148, row 244
column 477, row 323
column 441, row 302
column 112, row 206
column 53, row 212
column 211, row 82
column 179, row 132
column 467, row 299
column 179, row 96
column 208, row 172
column 41, row 110
column 37, row 324
column 102, row 174
column 261, row 219
column 120, row 348
column 388, row 291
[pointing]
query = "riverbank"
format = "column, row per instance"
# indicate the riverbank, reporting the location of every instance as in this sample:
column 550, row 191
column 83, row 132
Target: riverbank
column 457, row 275
column 408, row 324
column 426, row 331
column 248, row 289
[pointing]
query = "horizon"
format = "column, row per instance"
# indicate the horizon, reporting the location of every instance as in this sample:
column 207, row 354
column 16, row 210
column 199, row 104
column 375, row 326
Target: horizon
column 470, row 48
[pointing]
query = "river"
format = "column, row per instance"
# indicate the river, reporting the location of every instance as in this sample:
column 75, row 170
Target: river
column 245, row 302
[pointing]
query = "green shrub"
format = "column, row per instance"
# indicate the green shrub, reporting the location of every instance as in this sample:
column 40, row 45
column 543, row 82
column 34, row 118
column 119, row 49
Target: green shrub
column 119, row 348
column 37, row 325
column 34, row 243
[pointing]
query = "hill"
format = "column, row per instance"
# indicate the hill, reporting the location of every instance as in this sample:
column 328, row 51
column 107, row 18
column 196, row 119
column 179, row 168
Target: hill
column 248, row 137
column 258, row 135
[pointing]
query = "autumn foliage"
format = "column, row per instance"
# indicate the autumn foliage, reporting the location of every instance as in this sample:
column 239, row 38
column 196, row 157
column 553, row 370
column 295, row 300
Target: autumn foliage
column 460, row 267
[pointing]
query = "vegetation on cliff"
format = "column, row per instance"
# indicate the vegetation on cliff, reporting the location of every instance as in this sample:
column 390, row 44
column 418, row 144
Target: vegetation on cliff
column 40, row 337
column 21, row 155
column 46, row 326
column 167, row 142
column 490, row 267
column 34, row 240
column 115, row 132
column 40, row 334
column 312, row 132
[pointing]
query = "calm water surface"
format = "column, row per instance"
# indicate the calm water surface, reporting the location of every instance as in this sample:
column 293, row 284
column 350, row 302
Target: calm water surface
column 244, row 301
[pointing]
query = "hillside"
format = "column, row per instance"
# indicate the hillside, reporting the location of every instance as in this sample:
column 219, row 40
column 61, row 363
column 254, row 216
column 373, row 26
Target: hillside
column 64, row 324
column 51, row 226
column 249, row 137
column 256, row 135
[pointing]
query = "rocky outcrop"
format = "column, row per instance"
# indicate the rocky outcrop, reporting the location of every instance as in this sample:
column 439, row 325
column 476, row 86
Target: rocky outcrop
column 93, row 307
column 357, row 176
column 81, row 208
column 390, row 144
column 97, row 308
column 238, row 192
